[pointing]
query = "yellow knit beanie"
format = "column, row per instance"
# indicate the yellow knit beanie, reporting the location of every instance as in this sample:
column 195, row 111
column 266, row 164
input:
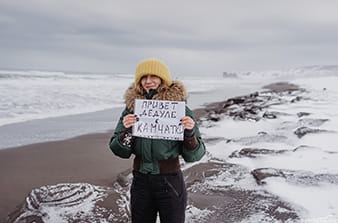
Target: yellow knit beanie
column 154, row 67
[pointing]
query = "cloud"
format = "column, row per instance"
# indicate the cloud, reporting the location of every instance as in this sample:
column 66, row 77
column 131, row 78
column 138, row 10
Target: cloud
column 193, row 37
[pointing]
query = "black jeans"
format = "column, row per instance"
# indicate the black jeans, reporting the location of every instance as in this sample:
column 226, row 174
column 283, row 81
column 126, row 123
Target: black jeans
column 163, row 193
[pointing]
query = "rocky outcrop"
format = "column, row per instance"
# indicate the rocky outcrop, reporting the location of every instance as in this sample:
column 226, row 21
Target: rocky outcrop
column 305, row 178
column 255, row 152
column 302, row 131
column 253, row 106
column 61, row 203
column 215, row 187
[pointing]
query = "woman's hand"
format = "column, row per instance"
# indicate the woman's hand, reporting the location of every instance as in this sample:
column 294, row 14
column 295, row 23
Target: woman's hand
column 129, row 120
column 187, row 122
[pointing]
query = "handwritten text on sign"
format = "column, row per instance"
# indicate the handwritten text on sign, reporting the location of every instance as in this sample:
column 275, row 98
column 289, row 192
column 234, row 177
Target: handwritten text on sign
column 159, row 119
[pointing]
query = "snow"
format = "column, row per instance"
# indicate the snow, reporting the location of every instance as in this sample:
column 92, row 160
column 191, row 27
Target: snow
column 317, row 153
column 62, row 202
column 317, row 201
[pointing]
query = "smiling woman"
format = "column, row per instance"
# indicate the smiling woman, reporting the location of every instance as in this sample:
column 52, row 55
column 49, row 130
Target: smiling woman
column 158, row 184
column 150, row 82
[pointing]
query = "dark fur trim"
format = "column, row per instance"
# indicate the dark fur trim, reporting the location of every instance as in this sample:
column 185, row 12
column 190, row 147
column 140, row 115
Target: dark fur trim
column 175, row 92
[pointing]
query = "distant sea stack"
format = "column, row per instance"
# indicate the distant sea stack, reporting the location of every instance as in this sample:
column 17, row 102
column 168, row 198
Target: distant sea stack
column 229, row 75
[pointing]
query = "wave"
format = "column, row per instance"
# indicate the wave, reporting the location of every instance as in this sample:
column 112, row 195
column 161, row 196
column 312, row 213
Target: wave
column 33, row 74
column 29, row 95
column 7, row 74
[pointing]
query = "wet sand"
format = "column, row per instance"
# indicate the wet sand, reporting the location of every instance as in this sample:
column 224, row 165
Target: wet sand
column 85, row 158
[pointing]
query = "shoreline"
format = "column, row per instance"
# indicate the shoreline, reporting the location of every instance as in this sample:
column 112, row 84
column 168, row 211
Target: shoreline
column 85, row 158
column 80, row 159
column 69, row 126
column 57, row 128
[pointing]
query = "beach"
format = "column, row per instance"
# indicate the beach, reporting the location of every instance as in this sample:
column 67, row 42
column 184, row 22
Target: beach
column 79, row 159
column 85, row 159
column 257, row 143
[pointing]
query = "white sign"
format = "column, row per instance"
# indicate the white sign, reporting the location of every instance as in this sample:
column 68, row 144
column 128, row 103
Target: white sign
column 159, row 119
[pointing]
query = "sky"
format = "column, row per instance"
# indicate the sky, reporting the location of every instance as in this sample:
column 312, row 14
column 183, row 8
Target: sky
column 190, row 36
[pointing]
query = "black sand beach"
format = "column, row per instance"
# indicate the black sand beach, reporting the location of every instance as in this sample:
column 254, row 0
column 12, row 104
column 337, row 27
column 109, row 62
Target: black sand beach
column 85, row 158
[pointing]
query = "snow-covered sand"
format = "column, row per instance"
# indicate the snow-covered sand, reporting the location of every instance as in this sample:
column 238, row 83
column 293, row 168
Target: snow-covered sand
column 312, row 185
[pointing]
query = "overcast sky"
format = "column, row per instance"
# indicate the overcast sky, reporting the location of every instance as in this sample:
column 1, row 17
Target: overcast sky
column 190, row 36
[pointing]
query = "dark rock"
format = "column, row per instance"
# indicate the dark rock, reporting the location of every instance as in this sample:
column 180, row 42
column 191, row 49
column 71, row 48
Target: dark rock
column 254, row 152
column 252, row 106
column 240, row 204
column 59, row 196
column 199, row 172
column 244, row 115
column 282, row 86
column 262, row 173
column 214, row 117
column 254, row 110
column 237, row 100
column 296, row 99
column 269, row 115
column 293, row 176
column 301, row 114
column 302, row 131
column 214, row 140
column 229, row 75
column 253, row 95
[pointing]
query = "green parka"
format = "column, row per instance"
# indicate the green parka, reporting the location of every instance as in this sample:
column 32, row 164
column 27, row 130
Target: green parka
column 151, row 151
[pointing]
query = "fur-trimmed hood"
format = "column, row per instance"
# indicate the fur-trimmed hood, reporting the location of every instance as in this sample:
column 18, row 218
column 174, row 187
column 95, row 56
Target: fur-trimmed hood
column 175, row 92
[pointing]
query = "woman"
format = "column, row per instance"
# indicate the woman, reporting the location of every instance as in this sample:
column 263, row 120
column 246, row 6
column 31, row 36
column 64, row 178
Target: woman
column 158, row 185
